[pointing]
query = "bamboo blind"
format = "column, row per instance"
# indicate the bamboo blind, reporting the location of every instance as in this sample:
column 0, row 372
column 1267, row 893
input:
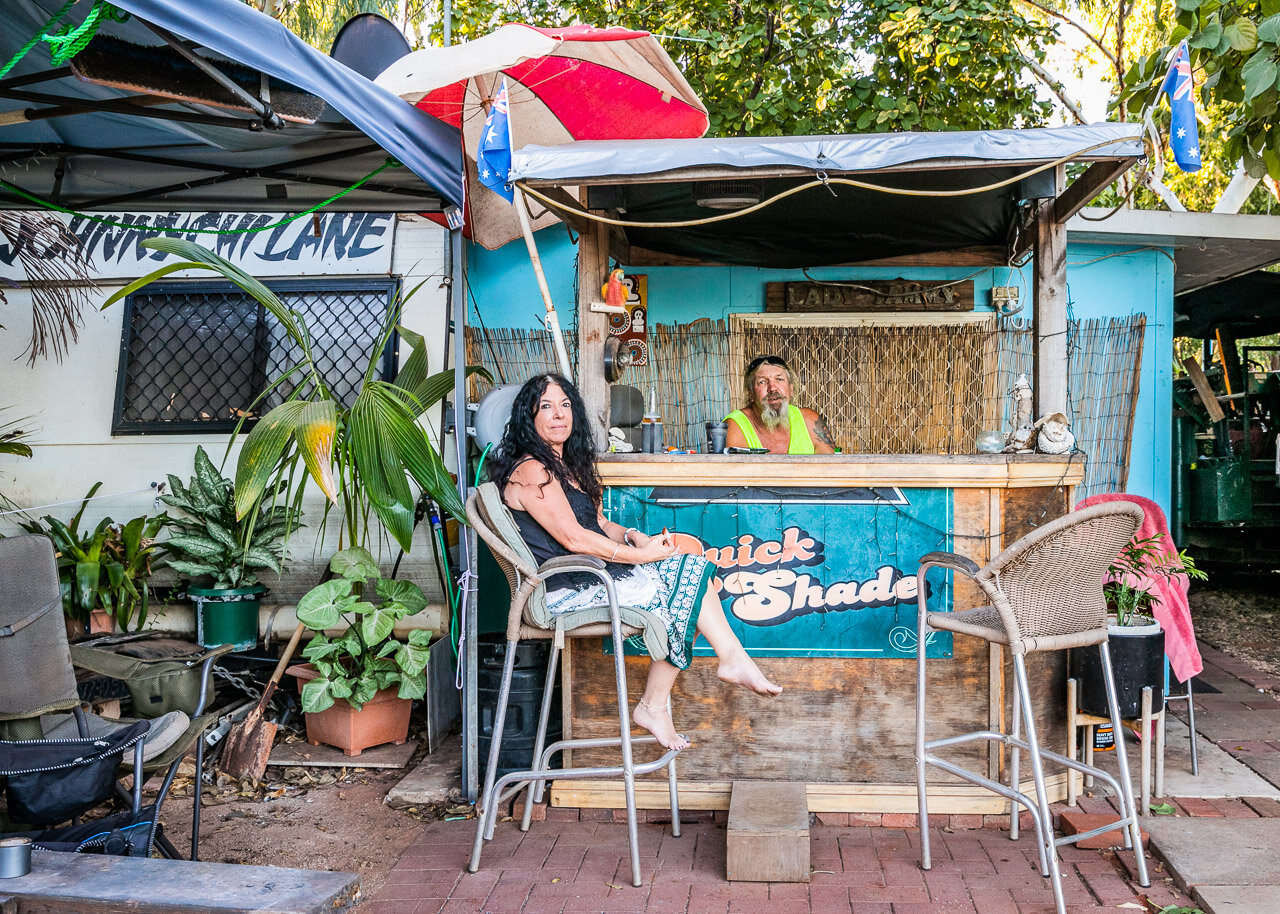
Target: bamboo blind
column 905, row 389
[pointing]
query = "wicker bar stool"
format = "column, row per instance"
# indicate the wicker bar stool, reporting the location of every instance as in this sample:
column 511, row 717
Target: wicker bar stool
column 1045, row 594
column 528, row 618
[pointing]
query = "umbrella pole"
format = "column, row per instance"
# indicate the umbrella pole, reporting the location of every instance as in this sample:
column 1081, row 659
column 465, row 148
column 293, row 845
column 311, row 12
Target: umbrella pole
column 553, row 321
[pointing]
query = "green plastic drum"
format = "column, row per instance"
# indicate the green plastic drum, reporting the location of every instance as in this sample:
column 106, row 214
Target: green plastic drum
column 226, row 616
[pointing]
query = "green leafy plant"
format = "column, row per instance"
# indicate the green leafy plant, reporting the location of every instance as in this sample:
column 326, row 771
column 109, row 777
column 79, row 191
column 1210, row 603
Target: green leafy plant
column 104, row 568
column 12, row 437
column 211, row 542
column 1141, row 563
column 363, row 456
column 366, row 657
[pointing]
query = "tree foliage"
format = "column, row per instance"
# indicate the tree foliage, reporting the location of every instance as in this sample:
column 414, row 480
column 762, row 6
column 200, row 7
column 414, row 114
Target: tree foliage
column 765, row 68
column 1235, row 52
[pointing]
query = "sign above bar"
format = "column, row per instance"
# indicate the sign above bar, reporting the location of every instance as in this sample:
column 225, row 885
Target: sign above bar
column 869, row 295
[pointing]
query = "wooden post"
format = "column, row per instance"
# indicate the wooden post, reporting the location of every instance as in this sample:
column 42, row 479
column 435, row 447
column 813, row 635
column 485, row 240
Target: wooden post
column 593, row 329
column 1050, row 307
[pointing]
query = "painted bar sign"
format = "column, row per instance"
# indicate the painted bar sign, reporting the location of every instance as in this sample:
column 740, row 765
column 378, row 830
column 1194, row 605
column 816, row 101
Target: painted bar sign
column 808, row 572
column 869, row 295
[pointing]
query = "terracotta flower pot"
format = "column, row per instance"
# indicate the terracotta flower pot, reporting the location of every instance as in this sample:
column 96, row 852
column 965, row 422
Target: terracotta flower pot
column 383, row 719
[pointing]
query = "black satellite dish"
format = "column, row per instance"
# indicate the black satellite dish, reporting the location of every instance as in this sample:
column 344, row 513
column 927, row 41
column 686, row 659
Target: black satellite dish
column 368, row 44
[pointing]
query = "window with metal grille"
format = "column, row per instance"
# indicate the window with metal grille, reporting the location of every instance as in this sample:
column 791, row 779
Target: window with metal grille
column 195, row 356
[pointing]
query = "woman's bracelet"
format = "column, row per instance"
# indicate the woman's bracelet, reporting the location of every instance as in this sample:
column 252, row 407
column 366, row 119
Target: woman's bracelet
column 626, row 535
column 615, row 552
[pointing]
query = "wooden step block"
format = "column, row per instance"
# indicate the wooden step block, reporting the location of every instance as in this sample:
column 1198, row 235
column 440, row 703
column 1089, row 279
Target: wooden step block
column 768, row 838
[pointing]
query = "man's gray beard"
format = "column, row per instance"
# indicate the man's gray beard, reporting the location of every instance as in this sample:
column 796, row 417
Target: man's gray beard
column 773, row 418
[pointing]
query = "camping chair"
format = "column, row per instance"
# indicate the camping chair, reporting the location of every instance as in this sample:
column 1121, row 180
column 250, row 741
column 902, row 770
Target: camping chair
column 1045, row 594
column 40, row 682
column 49, row 782
column 528, row 618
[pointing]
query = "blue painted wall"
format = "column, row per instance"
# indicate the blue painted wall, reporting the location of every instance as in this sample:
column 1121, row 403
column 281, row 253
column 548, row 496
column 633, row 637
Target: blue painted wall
column 1102, row 281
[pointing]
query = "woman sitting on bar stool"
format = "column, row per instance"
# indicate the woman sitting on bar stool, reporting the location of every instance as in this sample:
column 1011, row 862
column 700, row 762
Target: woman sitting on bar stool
column 546, row 470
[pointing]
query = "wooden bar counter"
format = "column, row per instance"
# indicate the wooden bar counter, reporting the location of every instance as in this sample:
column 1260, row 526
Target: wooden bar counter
column 817, row 558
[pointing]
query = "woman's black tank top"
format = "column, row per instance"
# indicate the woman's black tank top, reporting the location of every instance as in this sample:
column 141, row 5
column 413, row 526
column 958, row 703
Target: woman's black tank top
column 544, row 546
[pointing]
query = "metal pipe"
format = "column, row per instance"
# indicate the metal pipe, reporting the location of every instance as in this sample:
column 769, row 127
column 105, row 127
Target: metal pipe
column 469, row 658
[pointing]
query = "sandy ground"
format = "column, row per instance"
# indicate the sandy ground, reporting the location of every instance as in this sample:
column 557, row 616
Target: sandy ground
column 337, row 819
column 312, row 818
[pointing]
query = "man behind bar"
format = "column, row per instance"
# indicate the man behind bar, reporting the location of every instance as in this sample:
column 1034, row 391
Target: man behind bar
column 769, row 420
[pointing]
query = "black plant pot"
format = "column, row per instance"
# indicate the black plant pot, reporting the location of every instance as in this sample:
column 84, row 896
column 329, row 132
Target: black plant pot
column 1137, row 660
column 528, row 679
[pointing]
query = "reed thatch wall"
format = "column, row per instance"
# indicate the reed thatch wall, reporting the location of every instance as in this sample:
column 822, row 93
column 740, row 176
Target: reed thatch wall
column 897, row 389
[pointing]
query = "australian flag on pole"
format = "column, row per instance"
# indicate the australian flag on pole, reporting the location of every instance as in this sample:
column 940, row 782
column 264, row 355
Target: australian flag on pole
column 493, row 158
column 1184, row 138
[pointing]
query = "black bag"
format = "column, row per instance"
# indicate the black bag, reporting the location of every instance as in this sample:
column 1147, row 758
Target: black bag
column 52, row 781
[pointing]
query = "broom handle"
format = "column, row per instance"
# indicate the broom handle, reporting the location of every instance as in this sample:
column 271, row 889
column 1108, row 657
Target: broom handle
column 279, row 670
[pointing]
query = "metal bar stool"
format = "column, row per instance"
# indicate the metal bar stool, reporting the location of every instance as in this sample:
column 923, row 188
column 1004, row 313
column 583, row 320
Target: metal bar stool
column 528, row 618
column 1045, row 594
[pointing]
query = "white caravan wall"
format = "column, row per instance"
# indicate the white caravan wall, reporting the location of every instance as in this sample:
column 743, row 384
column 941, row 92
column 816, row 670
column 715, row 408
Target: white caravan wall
column 72, row 402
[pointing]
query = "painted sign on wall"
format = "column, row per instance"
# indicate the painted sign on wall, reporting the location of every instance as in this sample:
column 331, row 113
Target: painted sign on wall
column 806, row 572
column 343, row 243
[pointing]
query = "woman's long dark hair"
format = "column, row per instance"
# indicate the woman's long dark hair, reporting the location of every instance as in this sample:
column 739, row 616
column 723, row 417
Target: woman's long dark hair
column 521, row 440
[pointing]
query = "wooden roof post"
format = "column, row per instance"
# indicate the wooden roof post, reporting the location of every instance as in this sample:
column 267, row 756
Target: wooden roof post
column 1050, row 306
column 593, row 328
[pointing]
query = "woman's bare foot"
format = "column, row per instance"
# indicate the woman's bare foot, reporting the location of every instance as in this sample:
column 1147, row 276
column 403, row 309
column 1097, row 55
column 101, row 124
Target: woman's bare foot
column 741, row 670
column 657, row 720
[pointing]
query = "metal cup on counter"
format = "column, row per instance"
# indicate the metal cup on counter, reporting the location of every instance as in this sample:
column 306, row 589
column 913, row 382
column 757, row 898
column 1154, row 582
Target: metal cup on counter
column 651, row 436
column 717, row 436
column 15, row 857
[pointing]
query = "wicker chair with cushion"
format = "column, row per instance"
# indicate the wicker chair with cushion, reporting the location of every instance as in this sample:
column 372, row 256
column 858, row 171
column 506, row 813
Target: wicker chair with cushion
column 528, row 619
column 1045, row 594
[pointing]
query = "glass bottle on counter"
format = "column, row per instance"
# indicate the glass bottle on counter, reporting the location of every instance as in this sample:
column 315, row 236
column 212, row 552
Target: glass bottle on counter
column 651, row 426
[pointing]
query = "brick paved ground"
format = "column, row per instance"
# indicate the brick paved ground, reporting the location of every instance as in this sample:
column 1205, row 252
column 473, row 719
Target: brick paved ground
column 573, row 861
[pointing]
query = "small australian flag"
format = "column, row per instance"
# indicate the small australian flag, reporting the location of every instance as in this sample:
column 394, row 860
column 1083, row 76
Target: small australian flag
column 493, row 159
column 1184, row 138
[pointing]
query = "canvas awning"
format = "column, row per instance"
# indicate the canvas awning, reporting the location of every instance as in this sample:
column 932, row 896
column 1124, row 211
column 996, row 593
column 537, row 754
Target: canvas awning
column 129, row 124
column 921, row 193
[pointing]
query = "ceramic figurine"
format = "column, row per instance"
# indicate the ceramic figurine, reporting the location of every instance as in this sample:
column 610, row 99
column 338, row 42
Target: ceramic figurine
column 1055, row 434
column 1021, row 440
column 618, row 443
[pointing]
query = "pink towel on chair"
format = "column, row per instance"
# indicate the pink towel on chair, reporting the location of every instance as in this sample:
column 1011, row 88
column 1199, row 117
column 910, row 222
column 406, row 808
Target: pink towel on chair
column 1172, row 611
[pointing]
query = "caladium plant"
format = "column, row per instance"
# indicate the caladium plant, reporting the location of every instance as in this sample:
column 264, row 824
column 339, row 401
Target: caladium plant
column 366, row 657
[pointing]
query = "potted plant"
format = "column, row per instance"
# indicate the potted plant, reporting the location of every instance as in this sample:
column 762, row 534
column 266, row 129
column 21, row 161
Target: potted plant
column 1135, row 638
column 358, row 688
column 103, row 572
column 212, row 544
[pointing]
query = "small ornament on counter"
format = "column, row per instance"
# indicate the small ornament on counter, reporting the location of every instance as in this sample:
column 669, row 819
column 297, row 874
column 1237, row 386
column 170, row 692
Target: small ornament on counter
column 990, row 442
column 1022, row 439
column 618, row 443
column 1055, row 434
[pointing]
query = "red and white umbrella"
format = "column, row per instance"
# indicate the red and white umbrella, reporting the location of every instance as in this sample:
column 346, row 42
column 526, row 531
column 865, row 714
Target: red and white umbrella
column 564, row 84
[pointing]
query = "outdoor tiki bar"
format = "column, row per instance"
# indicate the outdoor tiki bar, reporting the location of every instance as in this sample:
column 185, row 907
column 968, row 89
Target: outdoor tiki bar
column 911, row 360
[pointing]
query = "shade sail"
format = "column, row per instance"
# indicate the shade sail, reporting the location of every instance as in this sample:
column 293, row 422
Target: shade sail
column 914, row 207
column 146, row 137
